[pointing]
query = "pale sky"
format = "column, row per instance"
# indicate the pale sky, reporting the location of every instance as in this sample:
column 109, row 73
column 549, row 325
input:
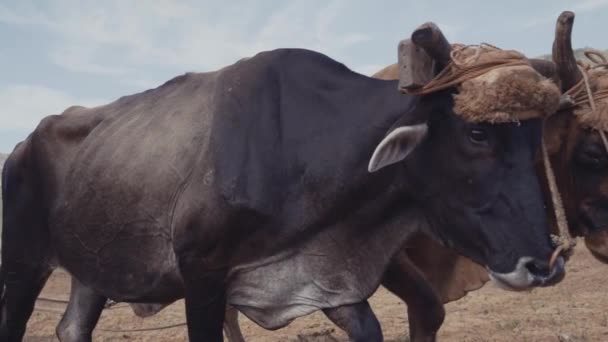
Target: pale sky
column 59, row 53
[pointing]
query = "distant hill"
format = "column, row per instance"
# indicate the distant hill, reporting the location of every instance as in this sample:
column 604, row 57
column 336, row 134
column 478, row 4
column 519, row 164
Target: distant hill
column 2, row 160
column 578, row 53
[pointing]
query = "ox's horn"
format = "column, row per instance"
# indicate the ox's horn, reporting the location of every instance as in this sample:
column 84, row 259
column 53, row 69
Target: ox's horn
column 563, row 56
column 422, row 56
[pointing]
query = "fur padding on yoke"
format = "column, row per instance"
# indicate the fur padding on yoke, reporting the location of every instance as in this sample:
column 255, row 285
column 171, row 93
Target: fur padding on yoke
column 508, row 92
column 598, row 82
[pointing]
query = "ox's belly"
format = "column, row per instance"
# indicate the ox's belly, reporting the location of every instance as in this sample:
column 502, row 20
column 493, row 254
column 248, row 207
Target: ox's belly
column 123, row 263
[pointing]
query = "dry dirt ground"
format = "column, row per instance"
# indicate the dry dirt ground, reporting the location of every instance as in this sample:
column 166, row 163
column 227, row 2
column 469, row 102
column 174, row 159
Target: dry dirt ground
column 575, row 310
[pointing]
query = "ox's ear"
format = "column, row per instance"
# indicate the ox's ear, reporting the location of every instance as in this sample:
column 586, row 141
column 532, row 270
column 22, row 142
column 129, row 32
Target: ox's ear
column 396, row 146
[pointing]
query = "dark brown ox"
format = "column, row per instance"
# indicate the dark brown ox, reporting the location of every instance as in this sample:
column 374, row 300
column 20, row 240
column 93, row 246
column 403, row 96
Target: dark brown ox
column 580, row 159
column 253, row 186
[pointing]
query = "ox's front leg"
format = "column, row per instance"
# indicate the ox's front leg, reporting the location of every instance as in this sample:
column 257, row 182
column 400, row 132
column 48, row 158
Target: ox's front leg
column 358, row 321
column 424, row 307
column 82, row 314
column 205, row 299
column 232, row 330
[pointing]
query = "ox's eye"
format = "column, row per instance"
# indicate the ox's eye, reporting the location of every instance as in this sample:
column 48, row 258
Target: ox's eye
column 478, row 135
column 593, row 157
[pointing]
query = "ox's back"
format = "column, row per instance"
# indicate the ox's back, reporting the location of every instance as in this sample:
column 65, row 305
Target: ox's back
column 261, row 129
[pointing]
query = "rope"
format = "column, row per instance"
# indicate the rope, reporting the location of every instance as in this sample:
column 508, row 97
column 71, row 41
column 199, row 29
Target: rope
column 564, row 242
column 599, row 94
column 112, row 305
column 591, row 100
column 52, row 300
column 582, row 94
column 45, row 309
column 164, row 327
column 463, row 68
column 596, row 56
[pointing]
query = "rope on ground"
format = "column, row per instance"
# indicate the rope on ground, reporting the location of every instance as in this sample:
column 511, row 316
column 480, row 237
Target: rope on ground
column 45, row 309
column 165, row 327
column 112, row 305
column 52, row 300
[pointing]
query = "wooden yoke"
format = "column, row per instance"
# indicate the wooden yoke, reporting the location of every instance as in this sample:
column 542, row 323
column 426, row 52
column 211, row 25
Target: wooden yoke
column 422, row 57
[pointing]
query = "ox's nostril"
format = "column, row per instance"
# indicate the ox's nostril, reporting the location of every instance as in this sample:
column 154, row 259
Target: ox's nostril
column 529, row 273
column 543, row 276
column 538, row 268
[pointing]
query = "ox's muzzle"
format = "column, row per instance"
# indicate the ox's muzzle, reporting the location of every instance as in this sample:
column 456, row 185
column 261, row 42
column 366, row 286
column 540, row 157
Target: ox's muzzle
column 530, row 273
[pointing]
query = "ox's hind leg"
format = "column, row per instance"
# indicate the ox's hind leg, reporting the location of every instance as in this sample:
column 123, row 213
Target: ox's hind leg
column 205, row 299
column 424, row 307
column 358, row 321
column 23, row 276
column 82, row 314
column 25, row 250
column 232, row 329
column 18, row 300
